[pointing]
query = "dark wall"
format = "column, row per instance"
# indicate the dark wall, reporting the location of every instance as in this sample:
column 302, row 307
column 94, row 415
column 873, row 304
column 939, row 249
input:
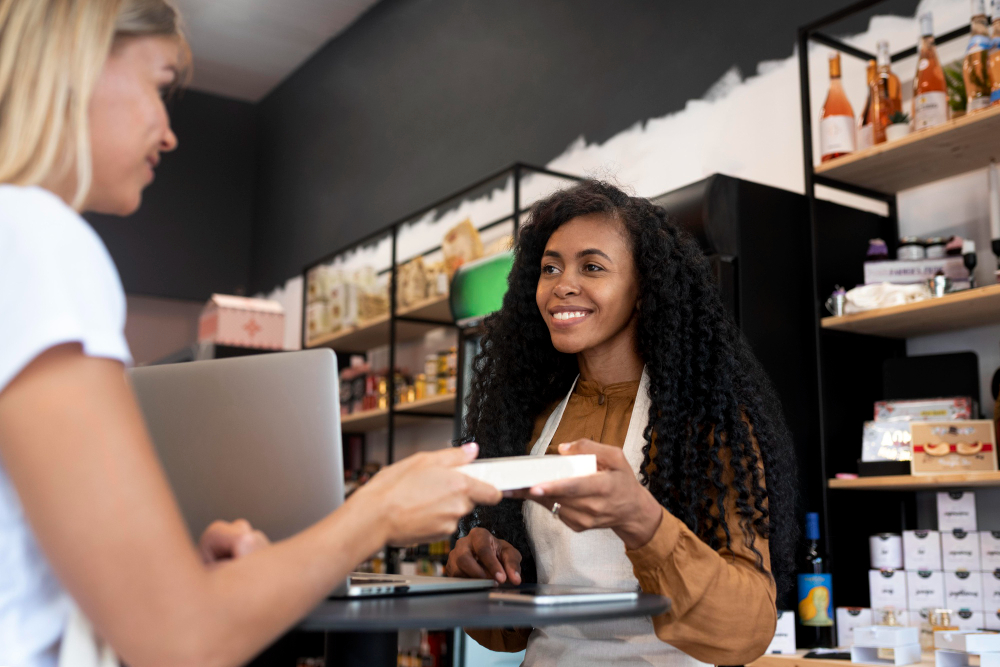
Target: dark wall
column 192, row 234
column 422, row 97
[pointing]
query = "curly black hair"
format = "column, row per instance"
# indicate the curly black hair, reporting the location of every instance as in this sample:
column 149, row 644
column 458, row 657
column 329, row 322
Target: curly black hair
column 709, row 396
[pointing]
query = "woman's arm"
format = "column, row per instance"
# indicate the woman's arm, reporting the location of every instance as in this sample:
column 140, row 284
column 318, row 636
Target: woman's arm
column 75, row 446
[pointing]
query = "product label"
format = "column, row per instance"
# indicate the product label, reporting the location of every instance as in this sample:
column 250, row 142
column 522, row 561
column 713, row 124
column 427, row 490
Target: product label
column 866, row 136
column 836, row 135
column 815, row 600
column 977, row 103
column 977, row 43
column 929, row 109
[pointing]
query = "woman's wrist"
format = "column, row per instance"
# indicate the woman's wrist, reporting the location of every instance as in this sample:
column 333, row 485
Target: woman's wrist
column 639, row 530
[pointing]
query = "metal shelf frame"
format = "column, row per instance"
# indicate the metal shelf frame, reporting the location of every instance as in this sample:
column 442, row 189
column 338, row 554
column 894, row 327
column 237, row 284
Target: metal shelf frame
column 517, row 172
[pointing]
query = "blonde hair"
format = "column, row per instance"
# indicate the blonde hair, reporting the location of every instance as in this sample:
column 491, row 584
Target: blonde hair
column 51, row 55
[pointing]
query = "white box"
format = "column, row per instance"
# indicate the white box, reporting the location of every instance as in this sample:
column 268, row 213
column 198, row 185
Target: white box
column 968, row 641
column 960, row 550
column 242, row 322
column 849, row 618
column 902, row 655
column 915, row 617
column 969, row 620
column 925, row 589
column 991, row 620
column 885, row 636
column 783, row 641
column 926, row 410
column 956, row 509
column 991, row 591
column 989, row 550
column 887, row 588
column 922, row 550
column 522, row 472
column 943, row 658
column 886, row 551
column 963, row 590
column 909, row 271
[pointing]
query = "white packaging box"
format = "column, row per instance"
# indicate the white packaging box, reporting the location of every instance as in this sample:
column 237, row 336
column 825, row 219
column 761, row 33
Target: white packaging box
column 908, row 271
column 922, row 550
column 991, row 620
column 522, row 472
column 960, row 550
column 956, row 509
column 908, row 654
column 969, row 620
column 963, row 590
column 915, row 617
column 849, row 618
column 944, row 658
column 989, row 550
column 783, row 641
column 886, row 551
column 970, row 642
column 925, row 589
column 885, row 636
column 991, row 591
column 887, row 588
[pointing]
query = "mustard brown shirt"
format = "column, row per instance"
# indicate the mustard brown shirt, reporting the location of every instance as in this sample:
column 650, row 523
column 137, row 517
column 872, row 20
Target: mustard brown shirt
column 723, row 609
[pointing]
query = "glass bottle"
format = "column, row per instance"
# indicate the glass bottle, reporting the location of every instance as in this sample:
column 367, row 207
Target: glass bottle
column 879, row 107
column 865, row 136
column 836, row 125
column 893, row 89
column 975, row 65
column 930, row 94
column 815, row 597
column 994, row 55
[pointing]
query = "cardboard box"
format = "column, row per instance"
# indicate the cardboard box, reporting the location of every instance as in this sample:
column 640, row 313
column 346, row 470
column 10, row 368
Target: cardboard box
column 783, row 641
column 991, row 619
column 900, row 655
column 953, row 446
column 945, row 658
column 991, row 591
column 967, row 641
column 969, row 620
column 886, row 441
column 925, row 589
column 963, row 590
column 922, row 550
column 849, row 618
column 956, row 510
column 885, row 636
column 909, row 271
column 960, row 550
column 887, row 588
column 886, row 551
column 936, row 409
column 989, row 550
column 243, row 322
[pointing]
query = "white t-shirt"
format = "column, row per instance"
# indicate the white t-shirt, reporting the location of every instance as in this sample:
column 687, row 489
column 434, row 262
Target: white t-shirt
column 58, row 285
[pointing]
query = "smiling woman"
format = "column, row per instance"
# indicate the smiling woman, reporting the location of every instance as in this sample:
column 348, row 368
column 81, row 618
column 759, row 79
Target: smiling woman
column 612, row 340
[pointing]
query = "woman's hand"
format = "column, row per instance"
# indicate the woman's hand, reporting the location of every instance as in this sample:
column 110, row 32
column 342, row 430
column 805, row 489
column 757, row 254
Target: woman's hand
column 480, row 555
column 224, row 540
column 421, row 498
column 612, row 498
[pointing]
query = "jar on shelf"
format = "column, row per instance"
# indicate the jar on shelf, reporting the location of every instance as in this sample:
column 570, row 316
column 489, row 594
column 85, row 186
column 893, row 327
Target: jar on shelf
column 431, row 365
column 910, row 248
column 936, row 247
column 420, row 387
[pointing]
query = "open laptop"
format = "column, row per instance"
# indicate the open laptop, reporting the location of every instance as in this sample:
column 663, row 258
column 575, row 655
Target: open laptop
column 258, row 438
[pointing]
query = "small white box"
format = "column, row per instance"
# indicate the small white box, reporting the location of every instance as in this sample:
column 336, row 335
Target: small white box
column 783, row 641
column 989, row 550
column 849, row 618
column 963, row 590
column 901, row 655
column 915, row 617
column 908, row 271
column 944, row 658
column 242, row 322
column 967, row 641
column 991, row 591
column 969, row 620
column 887, row 588
column 925, row 589
column 885, row 636
column 922, row 550
column 522, row 472
column 960, row 550
column 991, row 620
column 886, row 551
column 956, row 509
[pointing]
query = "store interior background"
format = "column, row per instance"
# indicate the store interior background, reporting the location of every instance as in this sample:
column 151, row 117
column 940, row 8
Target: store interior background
column 320, row 125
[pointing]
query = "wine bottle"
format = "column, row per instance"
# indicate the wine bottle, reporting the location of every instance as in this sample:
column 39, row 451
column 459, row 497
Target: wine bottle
column 836, row 125
column 930, row 94
column 865, row 136
column 815, row 592
column 994, row 54
column 893, row 89
column 975, row 65
column 880, row 107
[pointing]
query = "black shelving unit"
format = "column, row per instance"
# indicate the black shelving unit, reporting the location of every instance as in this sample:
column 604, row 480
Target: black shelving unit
column 848, row 366
column 515, row 173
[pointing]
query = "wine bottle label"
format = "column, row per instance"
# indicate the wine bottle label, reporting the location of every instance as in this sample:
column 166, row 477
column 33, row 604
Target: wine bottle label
column 815, row 600
column 866, row 136
column 836, row 135
column 929, row 109
column 977, row 43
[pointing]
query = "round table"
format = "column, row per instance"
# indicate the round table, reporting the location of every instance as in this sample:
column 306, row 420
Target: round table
column 365, row 631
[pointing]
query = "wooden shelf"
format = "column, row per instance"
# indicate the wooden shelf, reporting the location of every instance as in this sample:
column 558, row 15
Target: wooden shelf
column 955, row 147
column 374, row 420
column 375, row 332
column 960, row 310
column 956, row 480
column 798, row 660
column 436, row 308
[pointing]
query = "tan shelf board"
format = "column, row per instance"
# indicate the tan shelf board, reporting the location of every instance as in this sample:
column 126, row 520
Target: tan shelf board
column 368, row 420
column 372, row 334
column 798, row 660
column 918, row 482
column 443, row 405
column 955, row 147
column 374, row 420
column 436, row 308
column 960, row 310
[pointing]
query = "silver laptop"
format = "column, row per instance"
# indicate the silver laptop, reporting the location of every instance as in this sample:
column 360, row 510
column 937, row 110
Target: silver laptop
column 258, row 438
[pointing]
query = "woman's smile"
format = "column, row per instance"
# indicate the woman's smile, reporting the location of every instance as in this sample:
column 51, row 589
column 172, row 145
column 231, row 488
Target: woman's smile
column 568, row 316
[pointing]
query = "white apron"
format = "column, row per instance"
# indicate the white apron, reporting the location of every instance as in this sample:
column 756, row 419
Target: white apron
column 592, row 558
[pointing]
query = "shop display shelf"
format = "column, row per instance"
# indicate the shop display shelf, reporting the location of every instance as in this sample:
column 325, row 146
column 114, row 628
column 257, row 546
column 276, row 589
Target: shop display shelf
column 373, row 420
column 959, row 310
column 799, row 660
column 435, row 308
column 940, row 482
column 960, row 145
column 372, row 333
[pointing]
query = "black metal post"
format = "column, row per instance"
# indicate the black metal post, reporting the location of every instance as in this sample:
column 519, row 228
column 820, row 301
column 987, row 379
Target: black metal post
column 361, row 649
column 391, row 382
column 517, row 199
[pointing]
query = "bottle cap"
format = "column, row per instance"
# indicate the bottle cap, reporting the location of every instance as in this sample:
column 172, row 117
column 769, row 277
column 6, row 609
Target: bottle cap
column 812, row 526
column 926, row 24
column 882, row 49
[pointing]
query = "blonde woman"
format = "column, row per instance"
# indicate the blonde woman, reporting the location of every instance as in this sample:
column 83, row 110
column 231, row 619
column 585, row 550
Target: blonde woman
column 85, row 512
